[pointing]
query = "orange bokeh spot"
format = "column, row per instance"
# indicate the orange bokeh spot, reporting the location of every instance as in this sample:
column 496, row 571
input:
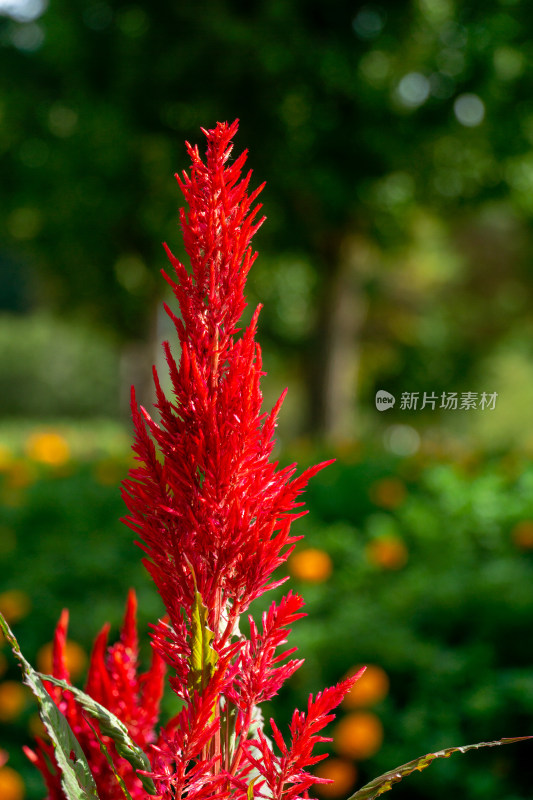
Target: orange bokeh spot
column 11, row 784
column 343, row 774
column 388, row 493
column 20, row 474
column 75, row 657
column 388, row 552
column 311, row 565
column 371, row 687
column 13, row 698
column 49, row 448
column 358, row 735
column 14, row 604
column 522, row 534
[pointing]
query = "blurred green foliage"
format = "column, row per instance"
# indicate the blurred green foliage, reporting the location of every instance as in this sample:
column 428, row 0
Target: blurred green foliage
column 445, row 611
column 54, row 368
column 395, row 139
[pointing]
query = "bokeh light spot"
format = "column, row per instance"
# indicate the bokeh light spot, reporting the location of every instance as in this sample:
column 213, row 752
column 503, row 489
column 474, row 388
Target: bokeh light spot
column 13, row 697
column 11, row 785
column 402, row 440
column 14, row 605
column 469, row 110
column 387, row 552
column 28, row 37
column 358, row 735
column 343, row 774
column 23, row 10
column 311, row 565
column 48, row 447
column 522, row 534
column 369, row 22
column 371, row 687
column 413, row 89
column 75, row 658
column 388, row 492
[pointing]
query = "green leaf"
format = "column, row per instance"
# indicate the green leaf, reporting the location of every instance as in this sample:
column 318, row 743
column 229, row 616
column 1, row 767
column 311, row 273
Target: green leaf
column 385, row 782
column 76, row 777
column 111, row 726
column 203, row 656
column 105, row 751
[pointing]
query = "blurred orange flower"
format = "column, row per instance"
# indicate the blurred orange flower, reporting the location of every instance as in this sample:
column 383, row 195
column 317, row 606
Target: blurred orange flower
column 358, row 735
column 388, row 492
column 11, row 784
column 75, row 656
column 13, row 697
column 48, row 447
column 20, row 474
column 343, row 774
column 14, row 604
column 311, row 565
column 371, row 687
column 388, row 552
column 522, row 534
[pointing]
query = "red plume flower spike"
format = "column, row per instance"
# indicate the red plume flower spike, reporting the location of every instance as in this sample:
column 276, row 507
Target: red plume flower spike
column 112, row 681
column 222, row 506
column 213, row 515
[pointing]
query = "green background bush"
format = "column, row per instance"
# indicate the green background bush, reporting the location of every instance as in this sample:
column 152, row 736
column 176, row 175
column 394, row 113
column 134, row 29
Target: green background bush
column 53, row 368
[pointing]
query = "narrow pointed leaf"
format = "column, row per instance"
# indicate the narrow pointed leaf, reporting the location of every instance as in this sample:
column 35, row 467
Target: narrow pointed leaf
column 112, row 726
column 76, row 777
column 385, row 782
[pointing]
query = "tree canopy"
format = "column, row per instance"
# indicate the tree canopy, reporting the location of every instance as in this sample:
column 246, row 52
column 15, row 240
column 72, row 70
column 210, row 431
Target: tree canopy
column 395, row 139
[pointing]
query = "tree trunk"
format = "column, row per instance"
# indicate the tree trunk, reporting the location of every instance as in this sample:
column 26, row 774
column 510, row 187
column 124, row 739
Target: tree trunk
column 137, row 358
column 335, row 366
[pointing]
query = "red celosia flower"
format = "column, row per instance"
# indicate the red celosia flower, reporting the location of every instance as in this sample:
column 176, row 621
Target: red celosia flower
column 112, row 681
column 212, row 510
column 213, row 514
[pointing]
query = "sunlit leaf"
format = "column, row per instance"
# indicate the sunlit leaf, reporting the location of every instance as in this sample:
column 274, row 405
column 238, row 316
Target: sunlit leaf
column 385, row 782
column 203, row 656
